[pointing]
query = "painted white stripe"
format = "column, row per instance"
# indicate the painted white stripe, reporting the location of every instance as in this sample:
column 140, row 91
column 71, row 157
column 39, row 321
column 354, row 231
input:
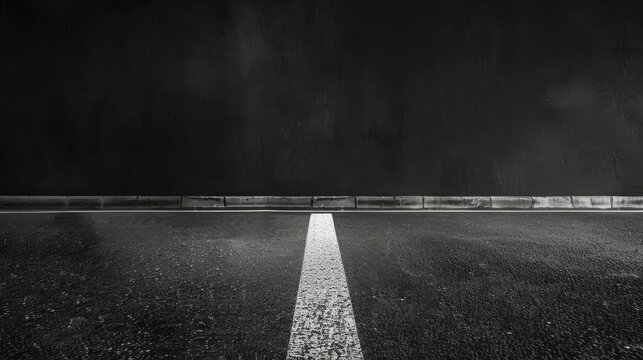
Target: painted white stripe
column 323, row 325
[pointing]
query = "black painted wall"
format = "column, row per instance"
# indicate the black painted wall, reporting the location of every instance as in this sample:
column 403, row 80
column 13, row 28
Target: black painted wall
column 321, row 97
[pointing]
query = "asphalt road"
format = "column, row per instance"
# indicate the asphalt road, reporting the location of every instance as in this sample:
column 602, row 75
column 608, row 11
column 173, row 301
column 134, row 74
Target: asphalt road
column 224, row 285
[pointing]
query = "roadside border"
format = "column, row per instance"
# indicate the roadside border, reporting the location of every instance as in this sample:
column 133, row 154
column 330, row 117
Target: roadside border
column 317, row 203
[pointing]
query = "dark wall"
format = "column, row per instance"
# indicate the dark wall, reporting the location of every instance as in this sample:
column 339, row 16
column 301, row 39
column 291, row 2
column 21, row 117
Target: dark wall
column 321, row 97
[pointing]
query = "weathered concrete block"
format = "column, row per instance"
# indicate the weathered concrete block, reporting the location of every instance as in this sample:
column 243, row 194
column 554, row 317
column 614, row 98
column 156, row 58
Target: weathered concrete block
column 627, row 202
column 48, row 201
column 389, row 202
column 552, row 202
column 202, row 202
column 334, row 202
column 457, row 202
column 378, row 202
column 158, row 202
column 246, row 201
column 119, row 202
column 84, row 202
column 33, row 202
column 511, row 202
column 411, row 202
column 12, row 202
column 279, row 202
column 592, row 202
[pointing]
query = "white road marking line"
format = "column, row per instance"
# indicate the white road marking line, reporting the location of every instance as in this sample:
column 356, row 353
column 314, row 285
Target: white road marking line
column 323, row 325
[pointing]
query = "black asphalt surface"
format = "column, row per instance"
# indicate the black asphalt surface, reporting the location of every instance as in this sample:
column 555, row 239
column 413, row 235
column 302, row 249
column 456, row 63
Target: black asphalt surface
column 120, row 286
column 495, row 285
column 224, row 285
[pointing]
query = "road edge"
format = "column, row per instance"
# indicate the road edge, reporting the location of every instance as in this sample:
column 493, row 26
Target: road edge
column 317, row 203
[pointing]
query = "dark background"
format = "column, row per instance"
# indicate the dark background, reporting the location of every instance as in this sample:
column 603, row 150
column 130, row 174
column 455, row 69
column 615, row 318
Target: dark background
column 321, row 97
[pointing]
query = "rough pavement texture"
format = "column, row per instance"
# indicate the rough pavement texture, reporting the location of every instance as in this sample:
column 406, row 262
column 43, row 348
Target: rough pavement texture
column 425, row 285
column 118, row 286
column 495, row 286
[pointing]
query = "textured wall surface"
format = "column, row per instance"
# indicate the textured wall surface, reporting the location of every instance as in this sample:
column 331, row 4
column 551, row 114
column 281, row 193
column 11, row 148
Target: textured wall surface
column 321, row 97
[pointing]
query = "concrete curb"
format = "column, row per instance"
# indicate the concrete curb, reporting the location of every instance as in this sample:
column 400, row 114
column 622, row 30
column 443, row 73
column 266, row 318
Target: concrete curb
column 457, row 202
column 203, row 202
column 334, row 202
column 119, row 202
column 44, row 202
column 552, row 202
column 627, row 202
column 323, row 202
column 389, row 202
column 511, row 202
column 290, row 202
column 239, row 202
column 158, row 202
column 592, row 202
column 84, row 202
